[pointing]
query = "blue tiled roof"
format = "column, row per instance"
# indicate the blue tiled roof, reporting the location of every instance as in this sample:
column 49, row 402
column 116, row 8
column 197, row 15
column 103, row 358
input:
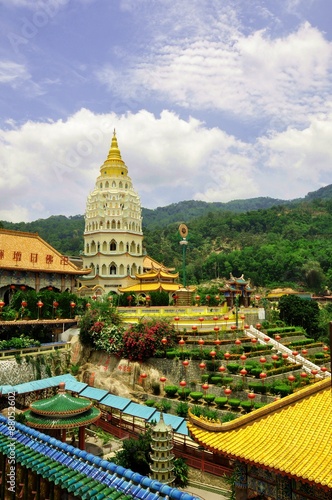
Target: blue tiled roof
column 140, row 411
column 169, row 419
column 93, row 393
column 116, row 402
column 37, row 385
column 75, row 470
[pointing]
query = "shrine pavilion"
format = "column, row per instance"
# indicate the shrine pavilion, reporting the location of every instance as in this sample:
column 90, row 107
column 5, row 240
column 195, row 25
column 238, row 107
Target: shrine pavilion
column 61, row 412
column 281, row 451
column 237, row 289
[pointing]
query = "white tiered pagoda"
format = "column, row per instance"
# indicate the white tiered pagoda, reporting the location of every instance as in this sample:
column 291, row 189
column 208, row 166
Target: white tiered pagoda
column 113, row 234
column 162, row 457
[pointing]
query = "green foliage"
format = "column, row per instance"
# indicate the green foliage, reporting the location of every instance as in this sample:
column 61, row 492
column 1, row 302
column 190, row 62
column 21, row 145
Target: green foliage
column 234, row 403
column 150, row 402
column 209, row 398
column 181, row 472
column 233, row 367
column 182, row 409
column 164, row 406
column 171, row 390
column 196, row 396
column 135, row 454
column 246, row 405
column 221, row 401
column 300, row 312
column 21, row 342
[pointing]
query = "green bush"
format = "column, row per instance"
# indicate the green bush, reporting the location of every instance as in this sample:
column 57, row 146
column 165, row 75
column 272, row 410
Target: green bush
column 233, row 367
column 209, row 398
column 215, row 379
column 164, row 405
column 259, row 405
column 182, row 409
column 184, row 392
column 196, row 396
column 228, row 417
column 171, row 390
column 234, row 403
column 282, row 389
column 150, row 402
column 220, row 401
column 246, row 405
column 171, row 354
column 205, row 377
column 319, row 355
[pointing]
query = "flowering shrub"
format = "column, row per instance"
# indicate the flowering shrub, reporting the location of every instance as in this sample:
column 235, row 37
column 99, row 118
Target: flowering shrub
column 141, row 341
column 107, row 337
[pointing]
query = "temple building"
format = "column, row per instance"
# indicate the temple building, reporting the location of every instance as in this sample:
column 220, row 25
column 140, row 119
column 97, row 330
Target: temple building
column 279, row 452
column 113, row 236
column 28, row 262
column 237, row 289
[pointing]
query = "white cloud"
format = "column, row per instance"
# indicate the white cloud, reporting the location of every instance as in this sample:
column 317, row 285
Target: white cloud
column 13, row 73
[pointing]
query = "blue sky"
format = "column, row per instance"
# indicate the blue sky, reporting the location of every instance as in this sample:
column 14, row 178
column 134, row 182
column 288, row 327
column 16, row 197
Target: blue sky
column 211, row 100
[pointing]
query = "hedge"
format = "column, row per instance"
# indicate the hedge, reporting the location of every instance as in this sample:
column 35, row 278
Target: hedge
column 196, row 396
column 220, row 401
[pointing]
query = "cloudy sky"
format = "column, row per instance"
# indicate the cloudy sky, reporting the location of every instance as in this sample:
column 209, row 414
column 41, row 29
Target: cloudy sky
column 211, row 100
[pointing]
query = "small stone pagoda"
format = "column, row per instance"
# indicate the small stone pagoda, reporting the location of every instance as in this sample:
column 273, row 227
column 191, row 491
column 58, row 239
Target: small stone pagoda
column 161, row 456
column 61, row 412
column 237, row 287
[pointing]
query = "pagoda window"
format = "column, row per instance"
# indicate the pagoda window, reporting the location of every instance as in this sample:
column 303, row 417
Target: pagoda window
column 122, row 269
column 113, row 184
column 98, row 247
column 104, row 246
column 93, row 246
column 101, row 225
column 139, row 270
column 134, row 269
column 121, row 246
column 138, row 249
column 113, row 246
column 132, row 247
column 120, row 185
column 103, row 270
column 126, row 186
column 113, row 224
column 92, row 267
column 107, row 184
column 127, row 247
column 87, row 249
column 128, row 270
column 108, row 224
column 101, row 185
column 113, row 269
column 119, row 224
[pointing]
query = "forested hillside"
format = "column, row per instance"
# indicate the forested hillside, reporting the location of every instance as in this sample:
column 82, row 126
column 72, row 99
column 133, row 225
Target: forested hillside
column 286, row 244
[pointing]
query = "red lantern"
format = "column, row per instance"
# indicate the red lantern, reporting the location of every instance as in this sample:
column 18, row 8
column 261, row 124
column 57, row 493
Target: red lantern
column 243, row 357
column 303, row 375
column 233, row 327
column 226, row 318
column 251, row 395
column 205, row 387
column 23, row 287
column 304, row 352
column 253, row 340
column 291, row 378
column 197, row 298
column 242, row 316
column 194, row 328
column 325, row 348
column 24, row 303
column 39, row 304
column 243, row 372
column 323, row 369
column 314, row 372
column 2, row 304
column 237, row 342
column 216, row 329
column 201, row 342
column 213, row 354
column 164, row 340
column 284, row 355
column 201, row 319
column 163, row 379
column 246, row 326
column 266, row 339
column 258, row 326
column 217, row 342
column 227, row 392
column 222, row 368
column 50, row 288
column 72, row 305
column 143, row 375
column 262, row 376
column 215, row 318
column 183, row 384
column 295, row 353
column 262, row 360
column 277, row 337
column 202, row 365
column 181, row 342
column 275, row 357
column 87, row 305
column 227, row 356
column 12, row 287
column 185, row 363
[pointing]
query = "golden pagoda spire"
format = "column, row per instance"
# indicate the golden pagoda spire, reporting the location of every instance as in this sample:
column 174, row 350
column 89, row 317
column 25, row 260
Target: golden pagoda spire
column 114, row 163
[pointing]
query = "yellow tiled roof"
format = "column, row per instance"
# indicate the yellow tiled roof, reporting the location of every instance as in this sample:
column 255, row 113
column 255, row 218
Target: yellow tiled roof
column 292, row 435
column 20, row 251
column 152, row 287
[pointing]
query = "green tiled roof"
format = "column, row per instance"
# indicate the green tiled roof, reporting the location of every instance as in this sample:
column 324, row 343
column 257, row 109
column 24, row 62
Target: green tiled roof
column 61, row 404
column 65, row 422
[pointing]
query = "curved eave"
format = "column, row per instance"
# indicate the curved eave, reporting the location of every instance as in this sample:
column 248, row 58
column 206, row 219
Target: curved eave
column 40, row 422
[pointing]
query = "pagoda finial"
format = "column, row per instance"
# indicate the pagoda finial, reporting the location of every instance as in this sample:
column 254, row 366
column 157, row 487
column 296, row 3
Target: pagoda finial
column 114, row 152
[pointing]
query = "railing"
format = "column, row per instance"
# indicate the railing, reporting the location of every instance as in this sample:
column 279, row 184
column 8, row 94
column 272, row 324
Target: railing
column 34, row 351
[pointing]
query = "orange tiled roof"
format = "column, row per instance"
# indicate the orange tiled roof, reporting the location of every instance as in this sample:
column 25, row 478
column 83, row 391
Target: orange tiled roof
column 29, row 252
column 292, row 436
